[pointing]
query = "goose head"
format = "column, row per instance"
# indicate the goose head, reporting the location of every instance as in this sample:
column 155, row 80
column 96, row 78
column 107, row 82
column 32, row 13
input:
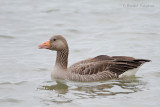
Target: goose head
column 56, row 43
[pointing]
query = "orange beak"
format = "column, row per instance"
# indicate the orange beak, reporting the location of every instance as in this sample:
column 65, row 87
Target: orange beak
column 45, row 45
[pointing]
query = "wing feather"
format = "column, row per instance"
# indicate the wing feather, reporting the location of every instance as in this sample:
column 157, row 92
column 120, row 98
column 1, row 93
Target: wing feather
column 115, row 65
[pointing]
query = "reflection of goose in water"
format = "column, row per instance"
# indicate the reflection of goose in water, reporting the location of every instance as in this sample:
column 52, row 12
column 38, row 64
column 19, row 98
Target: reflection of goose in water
column 77, row 90
column 99, row 68
column 110, row 88
column 60, row 87
column 57, row 92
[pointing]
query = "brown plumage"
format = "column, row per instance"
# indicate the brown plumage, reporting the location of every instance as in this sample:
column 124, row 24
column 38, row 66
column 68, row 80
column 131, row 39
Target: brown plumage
column 101, row 67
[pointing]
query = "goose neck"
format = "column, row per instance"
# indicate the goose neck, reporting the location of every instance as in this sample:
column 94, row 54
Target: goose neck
column 62, row 59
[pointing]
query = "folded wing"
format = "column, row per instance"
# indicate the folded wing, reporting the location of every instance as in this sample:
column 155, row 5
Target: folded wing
column 115, row 65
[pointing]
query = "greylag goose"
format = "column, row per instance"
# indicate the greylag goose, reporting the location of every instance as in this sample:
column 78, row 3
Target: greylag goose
column 99, row 68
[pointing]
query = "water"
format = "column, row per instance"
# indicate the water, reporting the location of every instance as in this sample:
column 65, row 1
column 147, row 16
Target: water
column 92, row 27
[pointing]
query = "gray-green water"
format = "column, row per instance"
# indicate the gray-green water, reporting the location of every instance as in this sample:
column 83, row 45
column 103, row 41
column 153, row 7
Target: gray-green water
column 92, row 27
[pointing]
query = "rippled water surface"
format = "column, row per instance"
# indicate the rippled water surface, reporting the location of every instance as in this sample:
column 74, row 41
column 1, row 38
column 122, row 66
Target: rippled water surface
column 91, row 27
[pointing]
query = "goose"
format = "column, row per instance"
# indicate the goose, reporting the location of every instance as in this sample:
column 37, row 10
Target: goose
column 99, row 68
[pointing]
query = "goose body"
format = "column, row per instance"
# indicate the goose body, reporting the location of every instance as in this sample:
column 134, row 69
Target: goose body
column 99, row 68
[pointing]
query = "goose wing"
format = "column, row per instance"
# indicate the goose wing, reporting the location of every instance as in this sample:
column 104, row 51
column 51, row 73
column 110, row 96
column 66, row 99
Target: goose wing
column 115, row 65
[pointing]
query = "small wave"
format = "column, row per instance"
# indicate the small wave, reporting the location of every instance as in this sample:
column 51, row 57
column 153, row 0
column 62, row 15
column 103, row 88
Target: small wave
column 16, row 83
column 12, row 100
column 6, row 37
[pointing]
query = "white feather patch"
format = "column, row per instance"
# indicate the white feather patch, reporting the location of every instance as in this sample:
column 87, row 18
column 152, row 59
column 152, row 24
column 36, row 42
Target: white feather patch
column 129, row 73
